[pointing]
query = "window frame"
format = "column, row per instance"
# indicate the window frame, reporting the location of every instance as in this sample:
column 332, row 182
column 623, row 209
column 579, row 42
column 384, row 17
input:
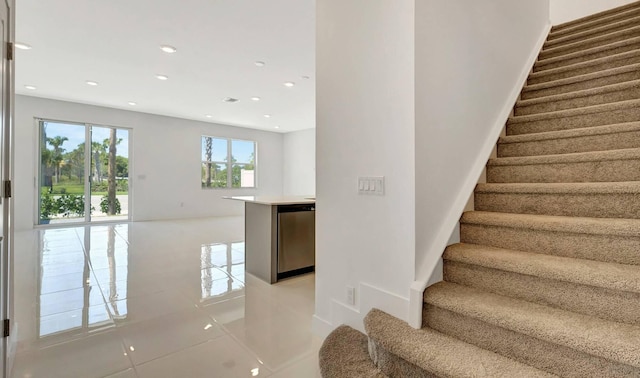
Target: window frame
column 229, row 163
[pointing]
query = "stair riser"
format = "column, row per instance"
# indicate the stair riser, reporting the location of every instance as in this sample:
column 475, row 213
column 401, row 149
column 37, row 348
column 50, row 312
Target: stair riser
column 557, row 359
column 592, row 22
column 607, row 248
column 393, row 365
column 607, row 304
column 591, row 33
column 547, row 76
column 582, row 85
column 547, row 64
column 579, row 102
column 552, row 52
column 576, row 121
column 592, row 171
column 586, row 143
column 572, row 205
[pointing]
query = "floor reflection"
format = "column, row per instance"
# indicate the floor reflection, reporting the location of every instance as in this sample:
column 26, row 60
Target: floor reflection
column 72, row 299
column 155, row 299
column 222, row 270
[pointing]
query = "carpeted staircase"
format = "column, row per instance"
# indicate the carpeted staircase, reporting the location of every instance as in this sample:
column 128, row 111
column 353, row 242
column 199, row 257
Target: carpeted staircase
column 546, row 279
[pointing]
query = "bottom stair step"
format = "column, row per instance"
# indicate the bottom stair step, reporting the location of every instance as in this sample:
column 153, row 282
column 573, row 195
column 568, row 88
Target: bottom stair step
column 557, row 341
column 344, row 353
column 397, row 347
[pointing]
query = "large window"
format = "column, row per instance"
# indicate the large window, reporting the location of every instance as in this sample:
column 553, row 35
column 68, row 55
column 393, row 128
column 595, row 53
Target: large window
column 228, row 163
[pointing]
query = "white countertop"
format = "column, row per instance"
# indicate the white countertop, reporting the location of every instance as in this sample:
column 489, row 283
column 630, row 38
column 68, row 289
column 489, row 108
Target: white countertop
column 276, row 200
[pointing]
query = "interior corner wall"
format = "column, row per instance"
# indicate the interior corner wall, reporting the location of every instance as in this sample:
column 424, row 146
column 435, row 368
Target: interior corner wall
column 165, row 157
column 364, row 127
column 471, row 60
column 568, row 10
column 299, row 163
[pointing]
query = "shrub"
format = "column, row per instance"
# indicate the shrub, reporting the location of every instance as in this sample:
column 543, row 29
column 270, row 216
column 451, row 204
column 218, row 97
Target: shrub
column 71, row 204
column 104, row 205
column 48, row 206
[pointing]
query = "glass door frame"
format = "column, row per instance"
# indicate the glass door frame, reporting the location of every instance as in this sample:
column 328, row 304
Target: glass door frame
column 87, row 173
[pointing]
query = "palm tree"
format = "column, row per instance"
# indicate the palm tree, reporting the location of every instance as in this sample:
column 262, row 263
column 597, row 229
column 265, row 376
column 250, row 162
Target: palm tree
column 97, row 149
column 111, row 188
column 207, row 150
column 56, row 142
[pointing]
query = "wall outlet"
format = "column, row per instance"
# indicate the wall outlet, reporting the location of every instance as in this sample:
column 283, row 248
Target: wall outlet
column 351, row 295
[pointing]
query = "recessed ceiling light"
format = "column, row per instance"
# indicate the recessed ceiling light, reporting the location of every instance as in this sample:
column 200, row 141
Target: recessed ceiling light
column 31, row 87
column 22, row 46
column 168, row 49
column 92, row 83
column 230, row 99
column 305, row 77
column 162, row 77
column 260, row 63
column 208, row 115
column 289, row 84
column 267, row 116
column 132, row 103
column 255, row 98
column 276, row 127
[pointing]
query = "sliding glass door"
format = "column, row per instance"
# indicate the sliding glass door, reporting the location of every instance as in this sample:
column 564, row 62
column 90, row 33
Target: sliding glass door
column 109, row 173
column 82, row 167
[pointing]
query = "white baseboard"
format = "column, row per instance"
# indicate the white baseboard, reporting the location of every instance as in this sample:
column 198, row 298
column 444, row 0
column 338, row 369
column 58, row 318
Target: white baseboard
column 367, row 297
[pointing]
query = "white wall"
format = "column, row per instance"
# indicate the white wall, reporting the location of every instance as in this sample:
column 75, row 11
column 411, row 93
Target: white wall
column 471, row 61
column 567, row 10
column 299, row 162
column 364, row 127
column 166, row 151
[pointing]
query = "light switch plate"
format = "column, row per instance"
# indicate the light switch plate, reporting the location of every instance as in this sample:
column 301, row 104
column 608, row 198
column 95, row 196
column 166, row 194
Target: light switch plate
column 373, row 185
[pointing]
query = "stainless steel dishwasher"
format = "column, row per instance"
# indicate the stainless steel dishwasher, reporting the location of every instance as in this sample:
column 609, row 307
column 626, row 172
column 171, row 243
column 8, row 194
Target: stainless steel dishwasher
column 296, row 240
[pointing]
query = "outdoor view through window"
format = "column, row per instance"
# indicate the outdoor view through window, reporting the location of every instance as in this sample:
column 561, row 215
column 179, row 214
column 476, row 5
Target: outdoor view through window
column 228, row 163
column 71, row 180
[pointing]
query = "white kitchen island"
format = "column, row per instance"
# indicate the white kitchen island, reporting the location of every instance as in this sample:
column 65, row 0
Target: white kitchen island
column 279, row 236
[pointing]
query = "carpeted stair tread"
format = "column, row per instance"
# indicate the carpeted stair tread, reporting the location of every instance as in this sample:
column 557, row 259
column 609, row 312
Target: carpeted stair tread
column 598, row 200
column 585, row 67
column 579, row 82
column 439, row 354
column 631, row 187
column 596, row 30
column 571, row 133
column 580, row 157
column 592, row 53
column 592, row 20
column 579, row 271
column 580, row 111
column 555, row 290
column 599, row 40
column 344, row 353
column 603, row 114
column 557, row 224
column 628, row 90
column 610, row 340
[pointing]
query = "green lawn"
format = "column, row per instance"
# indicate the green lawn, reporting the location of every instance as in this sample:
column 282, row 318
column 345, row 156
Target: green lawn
column 74, row 188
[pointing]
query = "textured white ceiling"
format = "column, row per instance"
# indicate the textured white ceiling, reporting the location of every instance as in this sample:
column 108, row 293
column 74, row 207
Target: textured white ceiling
column 116, row 43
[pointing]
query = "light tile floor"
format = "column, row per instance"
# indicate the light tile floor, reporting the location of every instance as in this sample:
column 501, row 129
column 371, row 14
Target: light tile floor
column 156, row 299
